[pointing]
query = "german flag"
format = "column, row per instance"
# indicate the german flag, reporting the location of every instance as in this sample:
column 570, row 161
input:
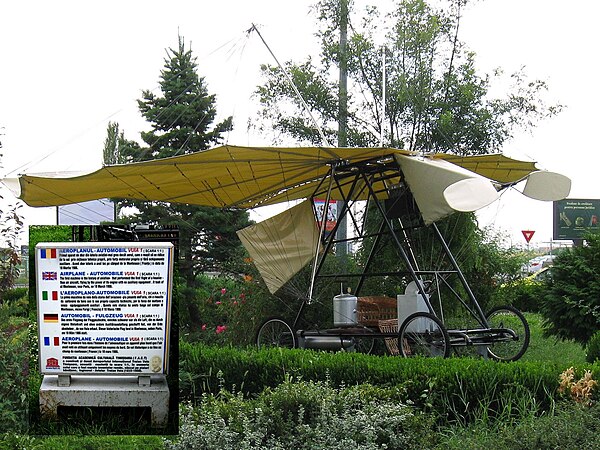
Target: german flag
column 50, row 318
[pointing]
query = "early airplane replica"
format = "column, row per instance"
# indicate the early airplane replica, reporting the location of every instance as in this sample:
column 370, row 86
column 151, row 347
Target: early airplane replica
column 403, row 193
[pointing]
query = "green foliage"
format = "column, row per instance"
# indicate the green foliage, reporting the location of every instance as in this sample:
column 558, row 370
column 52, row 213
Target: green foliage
column 566, row 427
column 456, row 385
column 551, row 350
column 181, row 118
column 522, row 294
column 44, row 233
column 11, row 224
column 593, row 348
column 13, row 366
column 48, row 233
column 15, row 294
column 484, row 262
column 14, row 441
column 571, row 306
column 302, row 415
column 224, row 310
column 436, row 100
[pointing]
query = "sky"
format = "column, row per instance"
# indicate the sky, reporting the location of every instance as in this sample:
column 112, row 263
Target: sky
column 70, row 67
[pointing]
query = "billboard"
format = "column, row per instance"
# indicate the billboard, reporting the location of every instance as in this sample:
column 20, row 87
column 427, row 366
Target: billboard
column 86, row 213
column 573, row 218
column 104, row 308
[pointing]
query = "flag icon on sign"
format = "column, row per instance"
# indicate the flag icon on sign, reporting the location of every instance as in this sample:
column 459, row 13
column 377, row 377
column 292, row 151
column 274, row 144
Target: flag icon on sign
column 46, row 295
column 49, row 276
column 55, row 341
column 48, row 253
column 51, row 318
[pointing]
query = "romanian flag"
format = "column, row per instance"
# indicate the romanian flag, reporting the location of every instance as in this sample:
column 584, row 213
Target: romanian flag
column 55, row 340
column 48, row 253
column 46, row 295
column 51, row 318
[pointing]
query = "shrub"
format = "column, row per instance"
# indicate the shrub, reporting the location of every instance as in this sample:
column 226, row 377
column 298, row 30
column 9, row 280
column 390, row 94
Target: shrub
column 13, row 366
column 223, row 310
column 523, row 295
column 455, row 385
column 593, row 348
column 571, row 306
column 301, row 415
column 14, row 294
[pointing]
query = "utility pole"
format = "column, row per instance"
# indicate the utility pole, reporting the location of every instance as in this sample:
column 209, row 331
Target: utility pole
column 342, row 231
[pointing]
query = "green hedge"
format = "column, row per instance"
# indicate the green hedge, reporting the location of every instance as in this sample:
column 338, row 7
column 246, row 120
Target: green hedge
column 458, row 386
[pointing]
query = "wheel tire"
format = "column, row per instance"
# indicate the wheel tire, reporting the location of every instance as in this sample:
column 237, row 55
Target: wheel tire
column 276, row 332
column 508, row 349
column 423, row 334
column 364, row 344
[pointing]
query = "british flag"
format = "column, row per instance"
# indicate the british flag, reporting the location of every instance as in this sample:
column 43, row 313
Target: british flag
column 49, row 276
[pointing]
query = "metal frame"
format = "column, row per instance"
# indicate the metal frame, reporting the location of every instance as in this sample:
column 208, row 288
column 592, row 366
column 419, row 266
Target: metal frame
column 375, row 179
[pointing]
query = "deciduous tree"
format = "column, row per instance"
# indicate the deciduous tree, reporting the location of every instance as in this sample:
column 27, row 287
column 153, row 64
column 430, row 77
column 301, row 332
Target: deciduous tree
column 435, row 98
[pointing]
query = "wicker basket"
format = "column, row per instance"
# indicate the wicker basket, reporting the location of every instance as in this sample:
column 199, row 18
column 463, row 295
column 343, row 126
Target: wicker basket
column 371, row 310
column 390, row 326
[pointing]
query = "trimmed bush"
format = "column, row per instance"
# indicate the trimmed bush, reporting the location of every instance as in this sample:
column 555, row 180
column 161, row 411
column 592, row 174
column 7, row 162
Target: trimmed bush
column 457, row 386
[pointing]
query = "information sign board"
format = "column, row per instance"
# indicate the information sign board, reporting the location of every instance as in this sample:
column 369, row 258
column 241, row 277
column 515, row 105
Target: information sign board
column 104, row 307
column 573, row 218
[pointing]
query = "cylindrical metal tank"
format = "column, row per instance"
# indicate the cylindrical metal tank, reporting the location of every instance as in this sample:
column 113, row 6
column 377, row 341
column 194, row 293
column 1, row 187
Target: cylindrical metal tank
column 327, row 343
column 344, row 310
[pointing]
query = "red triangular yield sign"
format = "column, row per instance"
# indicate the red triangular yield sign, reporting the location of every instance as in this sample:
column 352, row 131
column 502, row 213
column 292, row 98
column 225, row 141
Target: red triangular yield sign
column 528, row 234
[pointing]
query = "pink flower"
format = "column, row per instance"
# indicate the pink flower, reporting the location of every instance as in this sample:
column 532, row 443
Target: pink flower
column 223, row 291
column 203, row 327
column 235, row 302
column 242, row 296
column 218, row 302
column 220, row 329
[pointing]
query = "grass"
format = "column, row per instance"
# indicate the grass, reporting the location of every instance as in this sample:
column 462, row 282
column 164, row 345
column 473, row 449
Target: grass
column 550, row 349
column 80, row 442
column 569, row 427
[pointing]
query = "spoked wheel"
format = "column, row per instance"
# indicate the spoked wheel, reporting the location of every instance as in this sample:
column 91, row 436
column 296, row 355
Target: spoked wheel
column 423, row 334
column 507, row 347
column 275, row 332
column 363, row 344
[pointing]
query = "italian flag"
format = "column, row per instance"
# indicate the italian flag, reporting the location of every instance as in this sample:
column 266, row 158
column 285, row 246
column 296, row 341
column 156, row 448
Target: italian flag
column 46, row 295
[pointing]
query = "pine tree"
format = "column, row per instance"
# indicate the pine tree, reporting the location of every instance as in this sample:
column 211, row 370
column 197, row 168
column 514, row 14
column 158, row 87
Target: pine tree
column 181, row 117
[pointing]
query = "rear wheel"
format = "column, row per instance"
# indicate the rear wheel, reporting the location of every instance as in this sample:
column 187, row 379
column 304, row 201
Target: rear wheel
column 423, row 334
column 508, row 346
column 275, row 332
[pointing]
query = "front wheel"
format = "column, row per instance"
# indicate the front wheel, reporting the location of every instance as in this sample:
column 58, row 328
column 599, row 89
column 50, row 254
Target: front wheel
column 511, row 344
column 423, row 334
column 363, row 344
column 275, row 332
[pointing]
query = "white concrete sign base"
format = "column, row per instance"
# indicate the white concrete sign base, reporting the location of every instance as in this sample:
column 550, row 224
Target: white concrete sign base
column 106, row 391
